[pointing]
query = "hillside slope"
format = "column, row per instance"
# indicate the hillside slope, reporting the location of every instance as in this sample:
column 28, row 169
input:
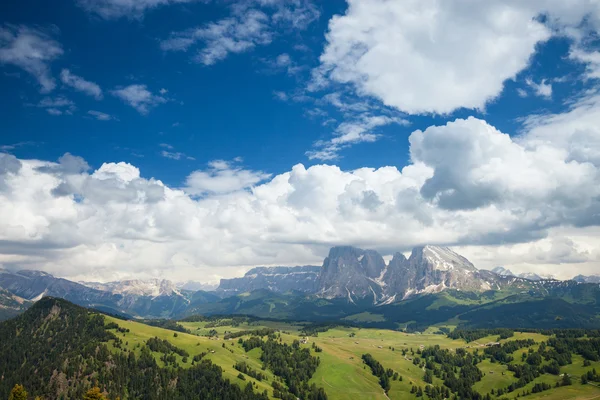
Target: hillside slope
column 58, row 350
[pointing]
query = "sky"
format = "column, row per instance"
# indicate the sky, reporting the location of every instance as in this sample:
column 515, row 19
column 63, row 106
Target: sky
column 194, row 139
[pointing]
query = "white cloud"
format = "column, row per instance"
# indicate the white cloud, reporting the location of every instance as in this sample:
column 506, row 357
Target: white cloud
column 54, row 111
column 80, row 84
column 134, row 9
column 57, row 105
column 250, row 24
column 235, row 34
column 222, row 177
column 100, row 116
column 351, row 132
column 139, row 97
column 590, row 58
column 31, row 50
column 438, row 56
column 541, row 89
column 529, row 203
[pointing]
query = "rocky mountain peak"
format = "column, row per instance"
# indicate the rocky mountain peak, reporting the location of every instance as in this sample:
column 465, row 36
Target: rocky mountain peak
column 351, row 272
column 441, row 258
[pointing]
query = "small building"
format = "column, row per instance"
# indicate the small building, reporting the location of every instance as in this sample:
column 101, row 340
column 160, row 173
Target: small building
column 492, row 344
column 304, row 340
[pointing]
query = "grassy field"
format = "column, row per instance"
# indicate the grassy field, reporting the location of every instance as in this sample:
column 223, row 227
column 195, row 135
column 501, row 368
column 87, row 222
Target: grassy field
column 341, row 372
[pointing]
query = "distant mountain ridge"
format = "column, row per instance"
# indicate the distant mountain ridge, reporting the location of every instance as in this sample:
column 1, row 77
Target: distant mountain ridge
column 587, row 279
column 139, row 287
column 350, row 278
column 275, row 279
column 118, row 298
column 532, row 276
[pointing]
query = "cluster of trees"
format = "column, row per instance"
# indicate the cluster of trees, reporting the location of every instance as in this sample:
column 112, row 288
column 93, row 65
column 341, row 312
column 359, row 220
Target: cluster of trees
column 166, row 324
column 590, row 376
column 18, row 392
column 458, row 370
column 503, row 353
column 588, row 348
column 377, row 369
column 59, row 350
column 470, row 335
column 246, row 369
column 164, row 346
column 292, row 364
column 256, row 332
column 114, row 325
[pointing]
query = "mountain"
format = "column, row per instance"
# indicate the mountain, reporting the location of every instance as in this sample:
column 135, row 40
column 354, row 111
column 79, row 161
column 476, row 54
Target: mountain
column 532, row 276
column 150, row 287
column 358, row 274
column 11, row 305
column 587, row 279
column 352, row 273
column 34, row 285
column 275, row 279
column 503, row 271
column 194, row 286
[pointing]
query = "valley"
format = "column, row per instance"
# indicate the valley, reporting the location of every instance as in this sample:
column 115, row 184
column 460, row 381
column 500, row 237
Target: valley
column 416, row 360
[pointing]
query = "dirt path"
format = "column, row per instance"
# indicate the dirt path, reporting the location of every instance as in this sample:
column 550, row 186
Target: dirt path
column 327, row 383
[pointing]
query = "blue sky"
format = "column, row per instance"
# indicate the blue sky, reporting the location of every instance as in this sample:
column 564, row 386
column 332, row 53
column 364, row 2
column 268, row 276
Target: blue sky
column 219, row 100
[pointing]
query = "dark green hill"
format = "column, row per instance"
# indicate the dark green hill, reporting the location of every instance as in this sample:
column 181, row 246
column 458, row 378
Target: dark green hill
column 58, row 350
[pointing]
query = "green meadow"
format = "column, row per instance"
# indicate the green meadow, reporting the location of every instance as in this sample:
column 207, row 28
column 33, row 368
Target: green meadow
column 341, row 372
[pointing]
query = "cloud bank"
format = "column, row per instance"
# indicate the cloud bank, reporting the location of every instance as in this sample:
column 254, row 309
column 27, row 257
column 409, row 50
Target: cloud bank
column 532, row 199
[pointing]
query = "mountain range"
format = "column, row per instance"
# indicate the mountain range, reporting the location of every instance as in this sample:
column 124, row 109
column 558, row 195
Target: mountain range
column 532, row 276
column 350, row 282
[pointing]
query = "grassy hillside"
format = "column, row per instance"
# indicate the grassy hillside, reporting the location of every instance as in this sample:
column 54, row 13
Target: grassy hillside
column 62, row 353
column 341, row 372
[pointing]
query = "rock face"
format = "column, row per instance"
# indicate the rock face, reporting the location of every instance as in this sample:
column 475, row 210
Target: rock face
column 431, row 269
column 276, row 279
column 353, row 273
column 359, row 274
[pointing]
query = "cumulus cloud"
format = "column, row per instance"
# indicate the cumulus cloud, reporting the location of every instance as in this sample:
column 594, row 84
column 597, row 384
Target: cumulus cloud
column 401, row 52
column 250, row 24
column 528, row 202
column 134, row 9
column 32, row 50
column 139, row 97
column 80, row 84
